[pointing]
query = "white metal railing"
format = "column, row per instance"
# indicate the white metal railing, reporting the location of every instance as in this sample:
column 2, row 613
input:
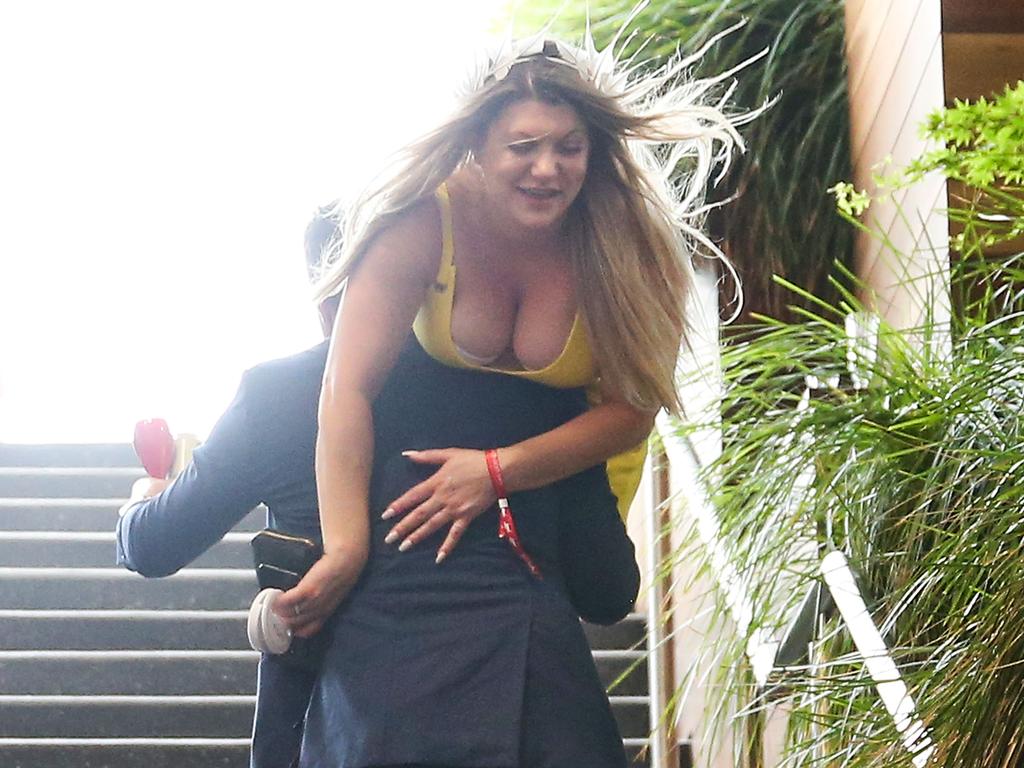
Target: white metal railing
column 658, row 642
column 762, row 646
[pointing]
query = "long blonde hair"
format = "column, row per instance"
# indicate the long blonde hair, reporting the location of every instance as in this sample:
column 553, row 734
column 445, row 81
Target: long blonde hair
column 635, row 225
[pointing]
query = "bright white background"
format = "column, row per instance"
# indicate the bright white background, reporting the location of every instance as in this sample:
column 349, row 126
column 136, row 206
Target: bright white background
column 158, row 165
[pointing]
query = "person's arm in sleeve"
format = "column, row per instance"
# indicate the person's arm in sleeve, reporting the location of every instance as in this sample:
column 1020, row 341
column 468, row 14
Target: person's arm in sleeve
column 160, row 535
column 597, row 556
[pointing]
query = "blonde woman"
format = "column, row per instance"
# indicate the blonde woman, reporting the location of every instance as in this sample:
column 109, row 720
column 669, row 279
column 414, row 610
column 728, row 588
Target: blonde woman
column 537, row 235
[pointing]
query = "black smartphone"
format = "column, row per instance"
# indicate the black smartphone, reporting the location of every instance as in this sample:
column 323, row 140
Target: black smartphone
column 282, row 559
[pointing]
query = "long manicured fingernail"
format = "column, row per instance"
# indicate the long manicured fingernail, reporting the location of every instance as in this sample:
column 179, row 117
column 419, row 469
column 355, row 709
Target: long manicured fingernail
column 441, row 555
column 391, row 537
column 388, row 514
column 404, row 545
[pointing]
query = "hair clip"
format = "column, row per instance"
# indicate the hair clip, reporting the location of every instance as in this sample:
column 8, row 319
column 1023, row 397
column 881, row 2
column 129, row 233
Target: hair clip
column 537, row 48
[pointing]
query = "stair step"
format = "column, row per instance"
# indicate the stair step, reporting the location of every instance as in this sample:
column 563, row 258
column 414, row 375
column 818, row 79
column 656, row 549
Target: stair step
column 126, row 716
column 68, row 455
column 25, row 514
column 622, row 673
column 96, row 549
column 71, row 514
column 146, row 716
column 68, row 628
column 632, row 713
column 636, row 752
column 197, row 672
column 122, row 630
column 164, row 753
column 165, row 673
column 209, row 589
column 124, row 753
column 631, row 632
column 68, row 482
column 76, row 629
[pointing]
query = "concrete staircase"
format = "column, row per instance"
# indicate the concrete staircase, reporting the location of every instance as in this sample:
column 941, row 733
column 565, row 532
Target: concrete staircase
column 100, row 668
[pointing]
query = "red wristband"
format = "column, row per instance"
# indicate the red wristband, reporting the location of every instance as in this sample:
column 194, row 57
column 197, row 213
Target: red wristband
column 506, row 523
column 494, row 470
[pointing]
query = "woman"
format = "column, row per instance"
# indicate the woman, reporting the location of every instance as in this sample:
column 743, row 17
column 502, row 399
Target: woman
column 572, row 253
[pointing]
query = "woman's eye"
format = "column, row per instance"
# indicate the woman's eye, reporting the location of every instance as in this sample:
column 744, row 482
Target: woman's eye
column 572, row 150
column 522, row 148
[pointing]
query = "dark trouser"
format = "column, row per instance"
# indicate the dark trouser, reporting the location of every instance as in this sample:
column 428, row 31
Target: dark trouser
column 282, row 698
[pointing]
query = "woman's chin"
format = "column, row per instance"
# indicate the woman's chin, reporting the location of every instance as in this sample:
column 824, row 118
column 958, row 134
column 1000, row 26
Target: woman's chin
column 534, row 221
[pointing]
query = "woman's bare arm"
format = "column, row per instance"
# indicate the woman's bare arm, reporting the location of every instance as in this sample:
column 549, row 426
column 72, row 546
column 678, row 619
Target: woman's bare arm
column 593, row 437
column 376, row 313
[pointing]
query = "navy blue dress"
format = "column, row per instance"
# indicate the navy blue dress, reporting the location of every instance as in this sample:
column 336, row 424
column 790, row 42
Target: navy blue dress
column 472, row 663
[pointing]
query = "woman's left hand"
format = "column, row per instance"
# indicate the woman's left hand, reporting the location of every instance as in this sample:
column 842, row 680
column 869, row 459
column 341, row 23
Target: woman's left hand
column 456, row 493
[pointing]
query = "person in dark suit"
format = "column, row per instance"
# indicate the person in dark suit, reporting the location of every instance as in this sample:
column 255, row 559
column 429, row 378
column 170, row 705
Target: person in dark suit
column 262, row 450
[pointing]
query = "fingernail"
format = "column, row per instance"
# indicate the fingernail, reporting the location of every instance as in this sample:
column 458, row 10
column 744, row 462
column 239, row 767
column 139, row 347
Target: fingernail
column 388, row 514
column 391, row 537
column 404, row 545
column 441, row 555
column 409, row 453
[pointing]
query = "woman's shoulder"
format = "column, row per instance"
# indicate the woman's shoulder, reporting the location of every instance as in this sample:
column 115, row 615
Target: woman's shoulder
column 410, row 243
column 420, row 224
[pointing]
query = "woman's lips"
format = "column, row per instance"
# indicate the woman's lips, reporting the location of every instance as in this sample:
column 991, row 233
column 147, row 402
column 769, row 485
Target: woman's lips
column 539, row 195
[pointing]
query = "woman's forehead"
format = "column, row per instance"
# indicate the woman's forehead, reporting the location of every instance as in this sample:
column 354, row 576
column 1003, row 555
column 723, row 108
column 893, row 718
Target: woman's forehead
column 530, row 118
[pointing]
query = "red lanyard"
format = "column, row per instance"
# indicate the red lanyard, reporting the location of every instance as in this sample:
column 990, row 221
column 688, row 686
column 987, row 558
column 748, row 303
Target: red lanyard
column 506, row 523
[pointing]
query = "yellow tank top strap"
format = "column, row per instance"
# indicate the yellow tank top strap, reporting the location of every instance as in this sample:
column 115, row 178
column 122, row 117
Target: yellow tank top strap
column 433, row 322
column 447, row 265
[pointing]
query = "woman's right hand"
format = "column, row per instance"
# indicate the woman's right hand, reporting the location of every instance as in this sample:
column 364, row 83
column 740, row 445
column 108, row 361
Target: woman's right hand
column 306, row 606
column 381, row 298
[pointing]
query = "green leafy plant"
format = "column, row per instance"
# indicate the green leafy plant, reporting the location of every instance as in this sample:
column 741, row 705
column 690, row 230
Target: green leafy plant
column 981, row 142
column 781, row 223
column 840, row 433
column 979, row 147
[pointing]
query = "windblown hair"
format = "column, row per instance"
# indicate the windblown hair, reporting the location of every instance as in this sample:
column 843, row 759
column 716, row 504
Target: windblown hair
column 635, row 225
column 318, row 240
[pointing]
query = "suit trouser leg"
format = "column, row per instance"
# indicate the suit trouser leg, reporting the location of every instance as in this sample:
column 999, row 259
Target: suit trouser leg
column 282, row 698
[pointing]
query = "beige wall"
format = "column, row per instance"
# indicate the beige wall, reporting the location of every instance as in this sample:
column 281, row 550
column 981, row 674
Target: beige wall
column 894, row 51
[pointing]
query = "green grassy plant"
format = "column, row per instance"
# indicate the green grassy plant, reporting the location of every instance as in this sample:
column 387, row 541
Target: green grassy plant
column 906, row 455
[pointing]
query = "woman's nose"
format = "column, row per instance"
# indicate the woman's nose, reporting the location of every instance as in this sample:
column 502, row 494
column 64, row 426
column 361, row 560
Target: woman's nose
column 545, row 165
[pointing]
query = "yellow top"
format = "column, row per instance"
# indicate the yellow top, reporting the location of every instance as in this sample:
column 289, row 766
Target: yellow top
column 574, row 367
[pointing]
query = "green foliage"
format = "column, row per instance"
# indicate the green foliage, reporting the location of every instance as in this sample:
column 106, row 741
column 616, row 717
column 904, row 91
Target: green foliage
column 782, row 223
column 849, row 200
column 976, row 144
column 906, row 452
column 982, row 142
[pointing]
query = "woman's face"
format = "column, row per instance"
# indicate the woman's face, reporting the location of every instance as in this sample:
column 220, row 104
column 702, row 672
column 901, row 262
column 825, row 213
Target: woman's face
column 534, row 160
